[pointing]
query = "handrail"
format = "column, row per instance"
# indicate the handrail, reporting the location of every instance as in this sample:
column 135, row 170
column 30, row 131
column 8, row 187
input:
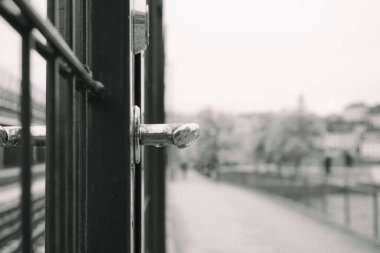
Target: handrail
column 55, row 39
column 302, row 191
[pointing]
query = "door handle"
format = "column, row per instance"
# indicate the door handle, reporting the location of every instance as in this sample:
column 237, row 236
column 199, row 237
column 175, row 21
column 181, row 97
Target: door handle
column 160, row 135
column 10, row 136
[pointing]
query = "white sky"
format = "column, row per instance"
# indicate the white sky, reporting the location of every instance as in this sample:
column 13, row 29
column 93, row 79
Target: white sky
column 10, row 45
column 255, row 55
column 258, row 55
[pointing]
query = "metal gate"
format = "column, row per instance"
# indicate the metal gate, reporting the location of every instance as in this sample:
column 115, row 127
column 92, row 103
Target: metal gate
column 96, row 199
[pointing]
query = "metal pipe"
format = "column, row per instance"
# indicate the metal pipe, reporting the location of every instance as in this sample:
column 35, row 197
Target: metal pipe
column 11, row 136
column 347, row 206
column 375, row 214
column 20, row 23
column 9, row 12
column 26, row 149
column 59, row 44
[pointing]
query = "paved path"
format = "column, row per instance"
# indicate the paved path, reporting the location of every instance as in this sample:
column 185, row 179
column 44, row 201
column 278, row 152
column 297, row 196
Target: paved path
column 12, row 191
column 209, row 217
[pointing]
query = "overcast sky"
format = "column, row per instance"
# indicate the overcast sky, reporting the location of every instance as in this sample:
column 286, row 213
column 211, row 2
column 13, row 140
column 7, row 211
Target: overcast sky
column 255, row 55
column 10, row 45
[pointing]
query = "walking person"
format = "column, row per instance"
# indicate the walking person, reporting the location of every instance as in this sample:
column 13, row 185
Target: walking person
column 184, row 168
column 327, row 162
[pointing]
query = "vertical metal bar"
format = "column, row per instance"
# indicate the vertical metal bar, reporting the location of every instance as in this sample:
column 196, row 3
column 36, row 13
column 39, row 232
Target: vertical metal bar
column 325, row 204
column 139, row 176
column 347, row 213
column 81, row 139
column 53, row 204
column 155, row 159
column 110, row 156
column 79, row 43
column 85, row 172
column 67, row 136
column 142, row 163
column 26, row 145
column 375, row 214
column 76, row 25
column 85, row 134
column 68, row 150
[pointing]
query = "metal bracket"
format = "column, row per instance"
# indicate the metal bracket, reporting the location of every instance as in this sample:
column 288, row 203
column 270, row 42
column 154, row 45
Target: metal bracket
column 140, row 14
column 136, row 137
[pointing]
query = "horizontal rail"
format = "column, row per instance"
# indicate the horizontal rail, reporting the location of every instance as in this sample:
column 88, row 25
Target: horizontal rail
column 316, row 196
column 51, row 35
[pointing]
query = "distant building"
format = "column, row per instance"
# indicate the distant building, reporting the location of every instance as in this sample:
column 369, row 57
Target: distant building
column 374, row 116
column 370, row 146
column 335, row 143
column 355, row 112
column 338, row 124
column 357, row 131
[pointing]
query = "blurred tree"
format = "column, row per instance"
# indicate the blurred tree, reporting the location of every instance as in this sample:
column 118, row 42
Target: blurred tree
column 288, row 140
column 215, row 129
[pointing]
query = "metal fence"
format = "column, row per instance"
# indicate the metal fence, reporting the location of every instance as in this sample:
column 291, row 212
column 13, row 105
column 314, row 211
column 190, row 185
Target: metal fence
column 61, row 63
column 352, row 206
column 10, row 99
column 10, row 209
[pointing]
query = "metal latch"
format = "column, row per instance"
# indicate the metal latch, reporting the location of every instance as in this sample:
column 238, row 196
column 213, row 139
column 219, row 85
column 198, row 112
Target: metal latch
column 140, row 22
column 160, row 135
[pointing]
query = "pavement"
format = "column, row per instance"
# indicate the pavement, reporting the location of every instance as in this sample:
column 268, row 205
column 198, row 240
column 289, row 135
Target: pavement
column 205, row 216
column 12, row 192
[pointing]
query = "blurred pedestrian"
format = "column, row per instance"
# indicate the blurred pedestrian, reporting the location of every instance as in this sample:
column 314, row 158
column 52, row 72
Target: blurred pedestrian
column 347, row 162
column 347, row 159
column 327, row 162
column 184, row 168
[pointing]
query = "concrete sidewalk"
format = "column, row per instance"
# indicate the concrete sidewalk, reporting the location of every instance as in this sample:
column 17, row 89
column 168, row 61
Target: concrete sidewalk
column 206, row 216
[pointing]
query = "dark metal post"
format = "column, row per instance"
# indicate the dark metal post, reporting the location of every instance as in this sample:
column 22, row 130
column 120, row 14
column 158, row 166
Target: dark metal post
column 325, row 195
column 80, row 124
column 26, row 145
column 53, row 203
column 347, row 206
column 111, row 171
column 155, row 159
column 375, row 214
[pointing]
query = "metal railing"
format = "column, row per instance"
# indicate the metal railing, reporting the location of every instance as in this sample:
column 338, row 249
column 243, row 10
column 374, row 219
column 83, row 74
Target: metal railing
column 10, row 209
column 10, row 98
column 24, row 19
column 352, row 206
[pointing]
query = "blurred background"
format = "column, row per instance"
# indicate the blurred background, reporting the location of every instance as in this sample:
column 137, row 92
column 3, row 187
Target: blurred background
column 286, row 94
column 10, row 157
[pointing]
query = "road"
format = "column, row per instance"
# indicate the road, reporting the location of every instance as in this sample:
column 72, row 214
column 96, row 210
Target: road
column 207, row 216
